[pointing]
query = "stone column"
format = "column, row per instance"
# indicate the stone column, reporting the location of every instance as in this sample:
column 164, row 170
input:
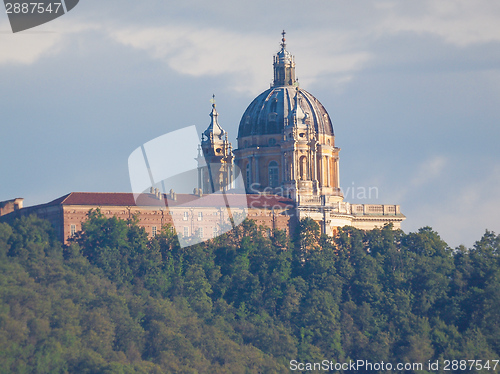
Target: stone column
column 250, row 162
column 256, row 158
column 327, row 171
column 283, row 168
column 337, row 172
column 321, row 179
column 313, row 163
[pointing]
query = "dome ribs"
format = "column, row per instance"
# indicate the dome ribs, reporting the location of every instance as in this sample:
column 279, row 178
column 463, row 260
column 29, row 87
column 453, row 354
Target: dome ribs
column 258, row 119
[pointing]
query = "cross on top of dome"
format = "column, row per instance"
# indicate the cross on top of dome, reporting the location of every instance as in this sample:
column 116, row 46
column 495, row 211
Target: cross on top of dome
column 283, row 40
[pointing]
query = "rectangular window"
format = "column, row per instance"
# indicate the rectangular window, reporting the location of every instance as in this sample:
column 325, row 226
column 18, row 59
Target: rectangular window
column 153, row 231
column 72, row 230
column 200, row 232
column 186, row 231
column 186, row 216
column 200, row 216
column 215, row 232
column 273, row 174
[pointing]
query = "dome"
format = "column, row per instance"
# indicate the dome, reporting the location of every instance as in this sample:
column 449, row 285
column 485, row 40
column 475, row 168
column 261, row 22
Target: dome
column 284, row 103
column 286, row 142
column 270, row 112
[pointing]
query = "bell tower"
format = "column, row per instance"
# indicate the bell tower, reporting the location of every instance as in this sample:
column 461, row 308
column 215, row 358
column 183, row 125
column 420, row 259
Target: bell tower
column 215, row 157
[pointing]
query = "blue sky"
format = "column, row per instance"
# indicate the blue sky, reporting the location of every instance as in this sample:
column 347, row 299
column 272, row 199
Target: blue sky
column 413, row 89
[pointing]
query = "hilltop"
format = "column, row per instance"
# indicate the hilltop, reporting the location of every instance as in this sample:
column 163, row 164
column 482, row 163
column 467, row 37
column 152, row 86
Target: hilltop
column 114, row 301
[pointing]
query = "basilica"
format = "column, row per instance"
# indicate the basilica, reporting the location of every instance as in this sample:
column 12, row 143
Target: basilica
column 286, row 147
column 285, row 168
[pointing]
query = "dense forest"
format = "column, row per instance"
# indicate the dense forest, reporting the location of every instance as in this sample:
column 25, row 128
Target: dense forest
column 114, row 301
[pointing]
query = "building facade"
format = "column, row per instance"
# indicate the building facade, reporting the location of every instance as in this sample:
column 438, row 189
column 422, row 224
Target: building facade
column 287, row 161
column 286, row 146
column 187, row 213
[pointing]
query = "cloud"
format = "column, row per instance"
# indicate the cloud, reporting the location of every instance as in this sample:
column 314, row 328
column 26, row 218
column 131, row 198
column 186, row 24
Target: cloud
column 198, row 52
column 28, row 47
column 339, row 44
column 329, row 53
column 459, row 22
column 426, row 172
column 465, row 211
column 337, row 51
column 245, row 57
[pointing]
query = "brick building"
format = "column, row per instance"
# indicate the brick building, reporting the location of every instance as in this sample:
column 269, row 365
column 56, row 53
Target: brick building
column 190, row 215
column 286, row 160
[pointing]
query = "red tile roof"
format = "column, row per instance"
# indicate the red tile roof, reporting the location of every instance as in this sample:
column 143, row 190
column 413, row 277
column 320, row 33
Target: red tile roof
column 101, row 199
column 212, row 200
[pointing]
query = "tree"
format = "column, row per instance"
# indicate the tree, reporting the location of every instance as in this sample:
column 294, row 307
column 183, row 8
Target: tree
column 5, row 234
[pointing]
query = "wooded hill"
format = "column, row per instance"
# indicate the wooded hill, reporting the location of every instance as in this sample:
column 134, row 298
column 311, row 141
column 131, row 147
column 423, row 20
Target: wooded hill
column 116, row 302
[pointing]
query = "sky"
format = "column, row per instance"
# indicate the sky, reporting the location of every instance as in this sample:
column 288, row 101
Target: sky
column 412, row 88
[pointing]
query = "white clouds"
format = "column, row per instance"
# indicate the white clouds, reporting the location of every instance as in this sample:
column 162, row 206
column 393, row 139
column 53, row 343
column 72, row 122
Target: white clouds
column 425, row 174
column 429, row 170
column 194, row 51
column 459, row 22
column 465, row 210
column 26, row 48
column 332, row 53
column 335, row 42
column 29, row 46
column 339, row 51
column 197, row 52
column 339, row 48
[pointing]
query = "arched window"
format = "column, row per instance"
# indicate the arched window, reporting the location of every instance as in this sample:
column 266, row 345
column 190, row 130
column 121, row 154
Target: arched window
column 249, row 175
column 273, row 174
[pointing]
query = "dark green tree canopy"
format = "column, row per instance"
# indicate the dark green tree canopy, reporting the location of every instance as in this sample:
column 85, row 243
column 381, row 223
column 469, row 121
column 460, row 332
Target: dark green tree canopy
column 116, row 301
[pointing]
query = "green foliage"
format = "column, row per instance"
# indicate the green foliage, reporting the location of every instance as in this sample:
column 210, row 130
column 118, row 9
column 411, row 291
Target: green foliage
column 5, row 234
column 115, row 301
